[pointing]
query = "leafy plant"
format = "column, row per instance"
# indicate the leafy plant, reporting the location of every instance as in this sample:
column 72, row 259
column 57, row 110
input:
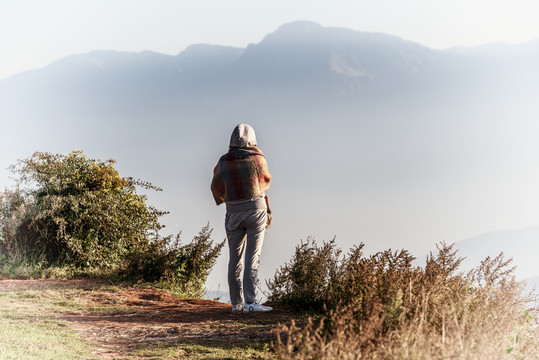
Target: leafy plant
column 78, row 210
column 76, row 213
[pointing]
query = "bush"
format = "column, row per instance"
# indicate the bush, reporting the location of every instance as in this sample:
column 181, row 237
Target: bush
column 382, row 307
column 13, row 209
column 308, row 280
column 180, row 268
column 76, row 213
column 76, row 210
column 320, row 277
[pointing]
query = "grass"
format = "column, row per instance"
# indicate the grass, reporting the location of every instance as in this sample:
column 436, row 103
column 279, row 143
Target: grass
column 205, row 350
column 28, row 330
column 27, row 265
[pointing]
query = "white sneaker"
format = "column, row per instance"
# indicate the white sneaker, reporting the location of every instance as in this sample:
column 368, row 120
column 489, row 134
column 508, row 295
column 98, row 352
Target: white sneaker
column 256, row 307
column 237, row 307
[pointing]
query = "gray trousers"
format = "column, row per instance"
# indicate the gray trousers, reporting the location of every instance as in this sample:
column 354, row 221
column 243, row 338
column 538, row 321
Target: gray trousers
column 245, row 232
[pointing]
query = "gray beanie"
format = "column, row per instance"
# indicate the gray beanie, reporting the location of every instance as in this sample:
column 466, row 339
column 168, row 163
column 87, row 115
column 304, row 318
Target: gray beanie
column 243, row 136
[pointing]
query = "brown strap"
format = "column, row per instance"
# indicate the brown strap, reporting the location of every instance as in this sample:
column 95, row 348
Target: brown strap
column 268, row 224
column 267, row 203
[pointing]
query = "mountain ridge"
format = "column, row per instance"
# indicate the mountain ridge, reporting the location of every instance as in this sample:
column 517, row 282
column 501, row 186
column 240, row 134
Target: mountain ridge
column 517, row 244
column 297, row 31
column 297, row 57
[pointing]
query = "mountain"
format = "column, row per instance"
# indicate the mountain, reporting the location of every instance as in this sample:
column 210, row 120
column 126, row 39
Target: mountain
column 369, row 137
column 306, row 56
column 521, row 245
column 300, row 59
column 111, row 80
column 528, row 49
column 203, row 60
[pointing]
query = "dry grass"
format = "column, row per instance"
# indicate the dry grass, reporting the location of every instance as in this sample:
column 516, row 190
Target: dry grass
column 392, row 310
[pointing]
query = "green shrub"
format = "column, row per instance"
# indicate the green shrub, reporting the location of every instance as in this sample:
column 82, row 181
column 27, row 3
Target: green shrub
column 78, row 214
column 13, row 210
column 77, row 210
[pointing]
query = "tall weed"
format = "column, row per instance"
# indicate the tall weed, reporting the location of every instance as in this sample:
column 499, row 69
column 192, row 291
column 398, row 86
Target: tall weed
column 382, row 307
column 21, row 264
column 308, row 280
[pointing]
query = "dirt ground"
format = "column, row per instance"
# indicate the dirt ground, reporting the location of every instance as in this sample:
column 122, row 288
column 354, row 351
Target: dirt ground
column 153, row 316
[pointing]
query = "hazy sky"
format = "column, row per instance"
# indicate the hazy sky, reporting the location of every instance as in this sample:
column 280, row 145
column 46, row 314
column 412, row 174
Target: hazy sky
column 34, row 33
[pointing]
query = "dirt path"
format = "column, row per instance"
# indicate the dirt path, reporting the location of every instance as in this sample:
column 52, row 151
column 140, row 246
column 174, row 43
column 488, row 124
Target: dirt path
column 153, row 317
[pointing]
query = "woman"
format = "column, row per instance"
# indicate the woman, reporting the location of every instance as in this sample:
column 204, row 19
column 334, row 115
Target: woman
column 240, row 180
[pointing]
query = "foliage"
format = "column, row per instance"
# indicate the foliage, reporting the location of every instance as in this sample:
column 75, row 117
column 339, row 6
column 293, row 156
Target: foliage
column 75, row 213
column 13, row 208
column 320, row 277
column 77, row 210
column 382, row 307
column 181, row 268
column 209, row 350
column 307, row 281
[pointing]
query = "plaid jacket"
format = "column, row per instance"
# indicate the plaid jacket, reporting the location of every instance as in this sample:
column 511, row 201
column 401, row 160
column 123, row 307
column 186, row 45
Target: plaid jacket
column 240, row 174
